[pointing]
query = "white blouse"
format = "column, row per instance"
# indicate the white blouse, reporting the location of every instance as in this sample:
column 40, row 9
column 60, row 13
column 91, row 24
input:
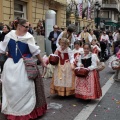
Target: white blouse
column 80, row 50
column 27, row 38
column 95, row 46
column 94, row 60
column 105, row 38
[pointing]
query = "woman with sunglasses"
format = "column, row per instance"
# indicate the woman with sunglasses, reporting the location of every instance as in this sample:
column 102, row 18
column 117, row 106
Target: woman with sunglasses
column 22, row 98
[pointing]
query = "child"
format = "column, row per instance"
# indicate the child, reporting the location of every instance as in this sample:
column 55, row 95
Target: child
column 47, row 72
column 78, row 50
column 88, row 87
column 63, row 78
column 95, row 47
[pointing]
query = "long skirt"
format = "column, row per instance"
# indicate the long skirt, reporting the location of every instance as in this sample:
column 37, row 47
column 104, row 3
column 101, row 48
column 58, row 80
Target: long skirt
column 89, row 87
column 41, row 105
column 63, row 81
column 22, row 98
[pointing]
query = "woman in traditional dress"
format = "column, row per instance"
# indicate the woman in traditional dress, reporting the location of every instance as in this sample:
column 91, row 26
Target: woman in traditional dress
column 22, row 98
column 88, row 87
column 63, row 78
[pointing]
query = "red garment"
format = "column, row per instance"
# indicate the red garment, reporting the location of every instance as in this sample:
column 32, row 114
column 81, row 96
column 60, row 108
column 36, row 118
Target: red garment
column 89, row 87
column 65, row 57
column 95, row 50
column 76, row 54
column 32, row 116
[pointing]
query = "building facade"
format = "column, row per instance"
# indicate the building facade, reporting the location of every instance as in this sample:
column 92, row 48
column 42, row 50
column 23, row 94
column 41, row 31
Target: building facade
column 110, row 13
column 33, row 10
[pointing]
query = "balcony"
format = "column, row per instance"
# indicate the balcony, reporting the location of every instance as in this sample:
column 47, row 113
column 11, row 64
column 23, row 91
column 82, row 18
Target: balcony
column 110, row 6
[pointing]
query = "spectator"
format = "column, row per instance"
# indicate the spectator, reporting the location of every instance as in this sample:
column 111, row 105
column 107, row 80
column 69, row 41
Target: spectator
column 5, row 30
column 102, row 25
column 40, row 28
column 85, row 37
column 1, row 27
column 53, row 37
column 30, row 29
column 3, row 57
column 67, row 34
column 93, row 35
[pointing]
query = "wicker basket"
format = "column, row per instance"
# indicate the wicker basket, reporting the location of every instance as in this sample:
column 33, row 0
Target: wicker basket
column 81, row 72
column 100, row 66
column 115, row 64
column 53, row 59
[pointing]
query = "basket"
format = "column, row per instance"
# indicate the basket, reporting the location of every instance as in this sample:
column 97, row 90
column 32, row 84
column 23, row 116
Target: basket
column 81, row 72
column 53, row 59
column 100, row 66
column 115, row 64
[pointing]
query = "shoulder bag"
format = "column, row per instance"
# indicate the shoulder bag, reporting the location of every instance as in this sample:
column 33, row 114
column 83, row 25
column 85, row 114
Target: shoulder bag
column 30, row 66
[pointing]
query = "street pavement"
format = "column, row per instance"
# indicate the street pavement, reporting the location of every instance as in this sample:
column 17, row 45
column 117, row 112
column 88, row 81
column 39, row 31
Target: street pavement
column 67, row 108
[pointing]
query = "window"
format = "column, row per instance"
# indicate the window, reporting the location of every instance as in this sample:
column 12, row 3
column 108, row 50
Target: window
column 20, row 9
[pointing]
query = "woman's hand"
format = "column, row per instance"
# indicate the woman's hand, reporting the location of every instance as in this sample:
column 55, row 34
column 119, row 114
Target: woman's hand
column 81, row 65
column 6, row 53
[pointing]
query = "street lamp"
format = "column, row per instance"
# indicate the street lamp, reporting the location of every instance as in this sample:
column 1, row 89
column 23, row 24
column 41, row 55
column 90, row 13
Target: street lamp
column 72, row 9
column 97, row 8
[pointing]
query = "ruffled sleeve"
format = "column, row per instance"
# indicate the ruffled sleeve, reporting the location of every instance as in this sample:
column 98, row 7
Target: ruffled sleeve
column 71, row 55
column 34, row 49
column 4, row 44
column 94, row 62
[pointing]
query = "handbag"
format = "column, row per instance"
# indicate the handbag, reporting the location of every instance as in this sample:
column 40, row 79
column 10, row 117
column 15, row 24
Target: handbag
column 53, row 59
column 100, row 66
column 30, row 66
column 81, row 72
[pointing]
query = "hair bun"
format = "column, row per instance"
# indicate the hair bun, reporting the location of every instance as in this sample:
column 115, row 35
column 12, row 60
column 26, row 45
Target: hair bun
column 15, row 21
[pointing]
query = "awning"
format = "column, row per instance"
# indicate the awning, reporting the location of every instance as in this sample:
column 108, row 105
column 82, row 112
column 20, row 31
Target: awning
column 111, row 24
column 63, row 2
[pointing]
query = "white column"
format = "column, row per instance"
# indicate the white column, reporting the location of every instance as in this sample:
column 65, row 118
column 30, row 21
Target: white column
column 113, row 16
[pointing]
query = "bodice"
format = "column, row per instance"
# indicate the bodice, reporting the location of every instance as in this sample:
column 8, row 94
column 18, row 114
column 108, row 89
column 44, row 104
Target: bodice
column 15, row 52
column 63, row 57
column 86, row 62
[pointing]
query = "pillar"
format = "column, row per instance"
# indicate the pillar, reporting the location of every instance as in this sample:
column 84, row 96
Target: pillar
column 72, row 18
column 1, row 10
column 29, row 11
column 81, row 22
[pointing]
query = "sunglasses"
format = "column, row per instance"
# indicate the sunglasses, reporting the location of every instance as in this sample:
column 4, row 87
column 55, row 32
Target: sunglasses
column 25, row 26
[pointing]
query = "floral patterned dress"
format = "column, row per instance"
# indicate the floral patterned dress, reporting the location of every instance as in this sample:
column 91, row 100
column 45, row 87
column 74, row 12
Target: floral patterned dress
column 88, row 87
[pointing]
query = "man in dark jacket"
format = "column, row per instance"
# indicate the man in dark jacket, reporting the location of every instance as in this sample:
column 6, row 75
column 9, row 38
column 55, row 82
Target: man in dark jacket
column 30, row 29
column 53, row 37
